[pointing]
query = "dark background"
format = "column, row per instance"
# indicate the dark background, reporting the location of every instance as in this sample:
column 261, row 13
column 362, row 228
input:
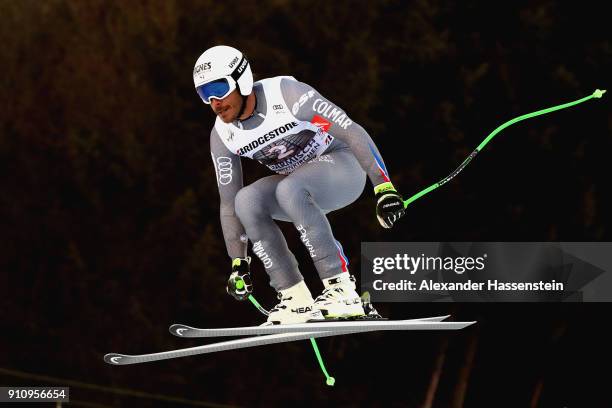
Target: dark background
column 109, row 227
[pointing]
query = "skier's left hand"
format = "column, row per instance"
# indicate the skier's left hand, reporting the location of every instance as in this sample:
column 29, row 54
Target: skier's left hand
column 239, row 284
column 389, row 204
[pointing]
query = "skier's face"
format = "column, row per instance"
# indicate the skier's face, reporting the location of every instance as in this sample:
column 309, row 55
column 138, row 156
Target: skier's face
column 227, row 108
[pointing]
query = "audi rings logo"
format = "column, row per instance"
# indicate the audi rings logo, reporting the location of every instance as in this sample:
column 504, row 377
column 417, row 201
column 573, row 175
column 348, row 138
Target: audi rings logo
column 224, row 170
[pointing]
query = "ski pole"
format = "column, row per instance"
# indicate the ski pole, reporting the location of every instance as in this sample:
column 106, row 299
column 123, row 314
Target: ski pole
column 597, row 94
column 329, row 380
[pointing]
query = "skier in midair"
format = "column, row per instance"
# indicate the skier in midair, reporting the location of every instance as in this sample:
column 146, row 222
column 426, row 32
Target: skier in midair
column 321, row 158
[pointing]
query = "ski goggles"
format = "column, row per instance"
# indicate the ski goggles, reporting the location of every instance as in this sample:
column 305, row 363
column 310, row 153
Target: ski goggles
column 217, row 89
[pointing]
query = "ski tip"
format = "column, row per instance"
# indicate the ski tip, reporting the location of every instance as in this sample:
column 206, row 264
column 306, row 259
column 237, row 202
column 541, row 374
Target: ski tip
column 178, row 330
column 114, row 358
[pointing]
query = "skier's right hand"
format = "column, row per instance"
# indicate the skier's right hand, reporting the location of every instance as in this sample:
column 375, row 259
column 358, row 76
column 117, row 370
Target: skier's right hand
column 239, row 284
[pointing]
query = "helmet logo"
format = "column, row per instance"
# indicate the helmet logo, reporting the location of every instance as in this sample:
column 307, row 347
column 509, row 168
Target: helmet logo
column 202, row 67
column 234, row 61
column 242, row 66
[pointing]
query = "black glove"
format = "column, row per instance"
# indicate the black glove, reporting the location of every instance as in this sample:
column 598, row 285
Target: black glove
column 239, row 284
column 389, row 204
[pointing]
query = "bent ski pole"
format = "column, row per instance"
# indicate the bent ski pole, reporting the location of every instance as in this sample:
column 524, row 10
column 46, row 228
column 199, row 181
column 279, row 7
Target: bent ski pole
column 329, row 380
column 597, row 94
column 258, row 306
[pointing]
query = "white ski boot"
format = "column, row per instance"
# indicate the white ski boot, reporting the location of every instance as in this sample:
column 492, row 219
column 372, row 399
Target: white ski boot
column 338, row 300
column 295, row 306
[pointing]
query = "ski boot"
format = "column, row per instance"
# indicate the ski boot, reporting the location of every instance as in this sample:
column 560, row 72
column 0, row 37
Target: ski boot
column 339, row 299
column 295, row 306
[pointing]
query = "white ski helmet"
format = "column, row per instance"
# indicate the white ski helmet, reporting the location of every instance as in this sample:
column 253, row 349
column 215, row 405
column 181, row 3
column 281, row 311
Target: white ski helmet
column 219, row 70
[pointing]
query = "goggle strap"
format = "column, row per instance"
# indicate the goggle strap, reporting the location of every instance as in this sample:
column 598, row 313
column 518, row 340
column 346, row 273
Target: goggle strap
column 238, row 71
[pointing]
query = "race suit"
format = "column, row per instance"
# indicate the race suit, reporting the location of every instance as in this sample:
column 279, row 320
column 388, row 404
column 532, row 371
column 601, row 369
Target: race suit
column 321, row 158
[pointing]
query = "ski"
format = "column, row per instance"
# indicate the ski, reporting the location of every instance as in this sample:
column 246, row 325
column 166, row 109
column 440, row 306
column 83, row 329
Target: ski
column 125, row 359
column 181, row 330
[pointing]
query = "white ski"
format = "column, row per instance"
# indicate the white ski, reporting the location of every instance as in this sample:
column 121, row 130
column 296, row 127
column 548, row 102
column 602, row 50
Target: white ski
column 124, row 359
column 181, row 330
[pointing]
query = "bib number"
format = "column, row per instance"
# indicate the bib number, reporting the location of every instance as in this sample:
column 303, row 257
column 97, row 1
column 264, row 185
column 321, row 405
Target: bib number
column 282, row 151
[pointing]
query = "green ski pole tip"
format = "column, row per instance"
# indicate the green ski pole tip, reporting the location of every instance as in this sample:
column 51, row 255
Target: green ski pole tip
column 331, row 381
column 239, row 284
column 599, row 93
